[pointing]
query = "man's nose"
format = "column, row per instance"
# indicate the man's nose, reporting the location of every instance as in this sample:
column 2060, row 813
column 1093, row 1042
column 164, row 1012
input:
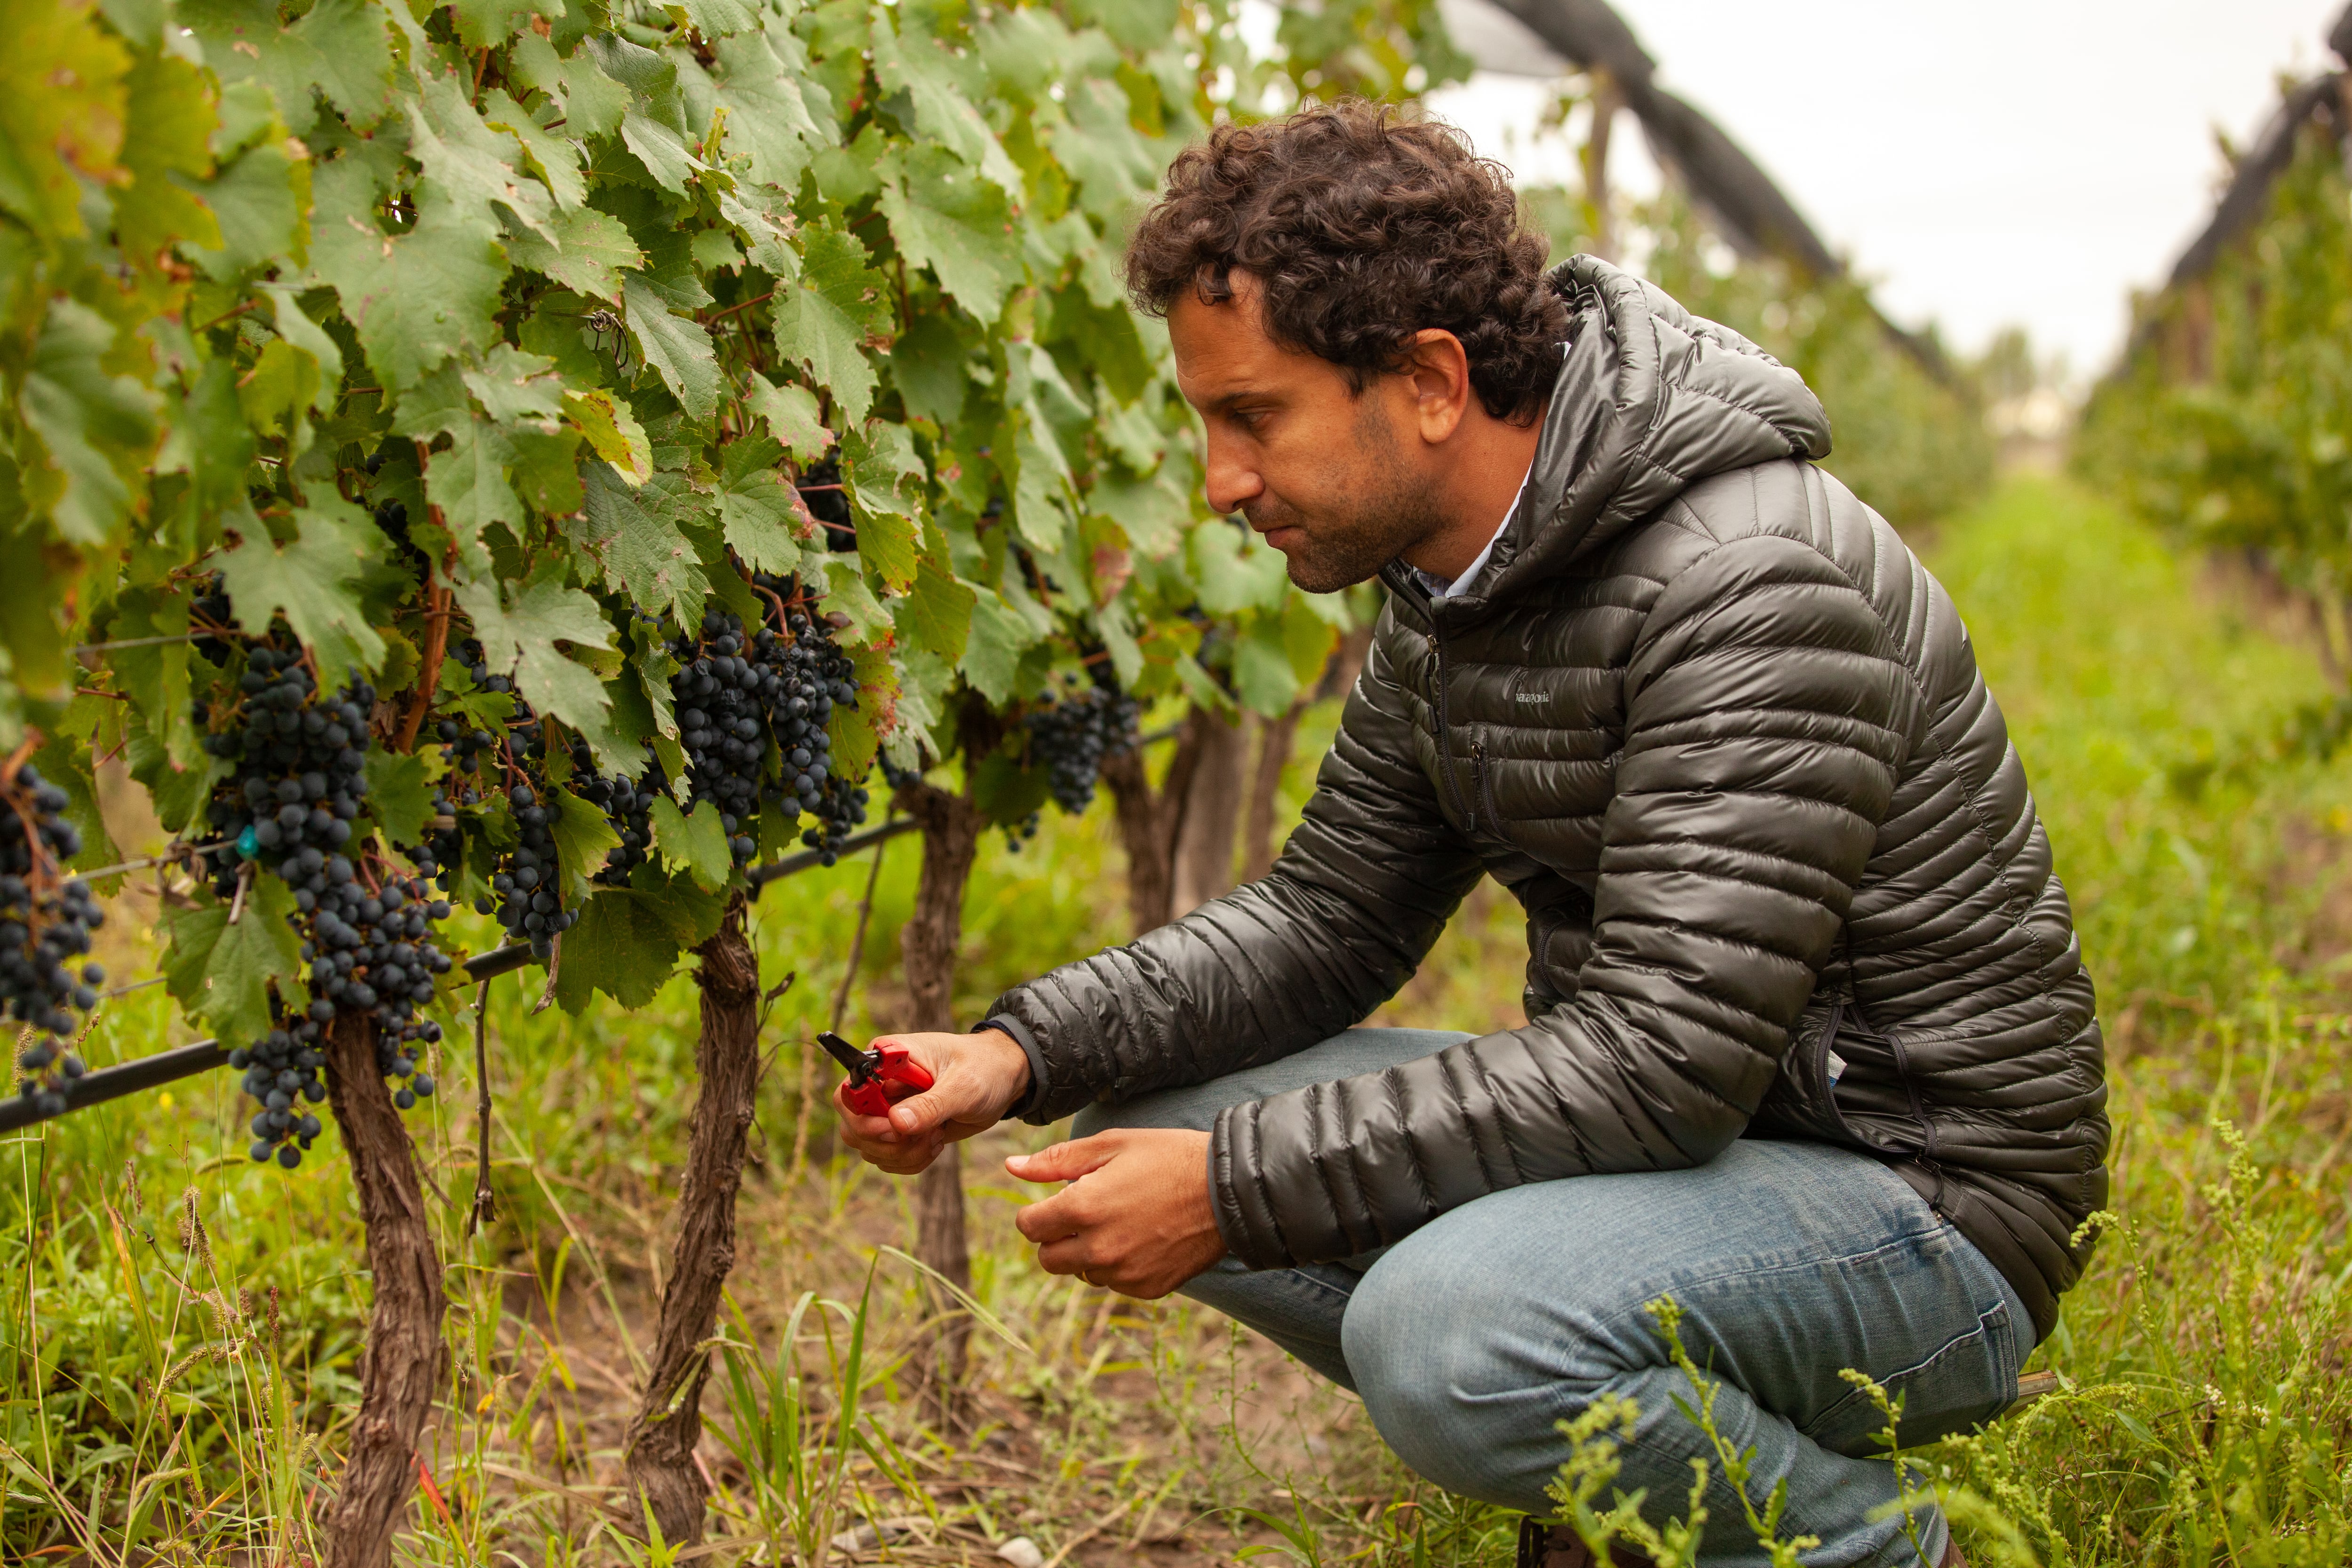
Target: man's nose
column 1233, row 481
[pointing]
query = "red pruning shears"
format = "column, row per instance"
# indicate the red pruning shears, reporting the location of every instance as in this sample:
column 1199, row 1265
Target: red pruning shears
column 877, row 1078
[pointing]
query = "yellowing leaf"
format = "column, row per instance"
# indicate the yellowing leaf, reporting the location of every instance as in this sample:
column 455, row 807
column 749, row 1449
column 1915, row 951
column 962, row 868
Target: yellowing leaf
column 612, row 432
column 61, row 108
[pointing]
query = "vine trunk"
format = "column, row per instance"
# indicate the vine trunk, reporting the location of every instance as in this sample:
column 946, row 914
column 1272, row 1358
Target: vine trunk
column 400, row 1367
column 662, row 1435
column 951, row 829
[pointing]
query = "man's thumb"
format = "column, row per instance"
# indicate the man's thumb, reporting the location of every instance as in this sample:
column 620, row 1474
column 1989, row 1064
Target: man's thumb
column 1062, row 1162
column 918, row 1113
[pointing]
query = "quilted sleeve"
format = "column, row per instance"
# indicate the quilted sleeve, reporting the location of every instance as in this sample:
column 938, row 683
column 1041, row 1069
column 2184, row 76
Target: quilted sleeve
column 1363, row 888
column 1767, row 713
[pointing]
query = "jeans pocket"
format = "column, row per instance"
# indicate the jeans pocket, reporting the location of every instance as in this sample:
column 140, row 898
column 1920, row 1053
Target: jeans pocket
column 1965, row 1381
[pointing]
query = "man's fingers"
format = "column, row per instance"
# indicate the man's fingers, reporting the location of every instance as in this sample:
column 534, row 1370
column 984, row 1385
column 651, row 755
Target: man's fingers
column 1071, row 1255
column 1064, row 1162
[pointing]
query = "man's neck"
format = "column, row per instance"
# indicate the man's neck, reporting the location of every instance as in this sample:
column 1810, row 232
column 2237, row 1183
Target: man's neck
column 1481, row 476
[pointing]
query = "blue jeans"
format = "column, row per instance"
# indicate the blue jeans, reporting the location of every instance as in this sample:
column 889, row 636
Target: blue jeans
column 1473, row 1337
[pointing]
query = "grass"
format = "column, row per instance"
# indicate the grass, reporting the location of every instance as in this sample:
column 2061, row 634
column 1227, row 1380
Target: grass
column 180, row 1327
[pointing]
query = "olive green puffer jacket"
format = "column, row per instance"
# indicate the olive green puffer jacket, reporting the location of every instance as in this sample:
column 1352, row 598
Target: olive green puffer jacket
column 1725, row 739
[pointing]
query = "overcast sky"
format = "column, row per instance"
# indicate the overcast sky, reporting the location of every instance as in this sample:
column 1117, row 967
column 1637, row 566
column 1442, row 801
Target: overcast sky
column 2025, row 161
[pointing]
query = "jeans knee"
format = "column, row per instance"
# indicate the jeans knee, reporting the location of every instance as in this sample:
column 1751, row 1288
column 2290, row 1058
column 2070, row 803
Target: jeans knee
column 1451, row 1392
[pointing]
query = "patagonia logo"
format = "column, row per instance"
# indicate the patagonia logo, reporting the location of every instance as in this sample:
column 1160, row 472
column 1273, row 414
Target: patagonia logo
column 1533, row 697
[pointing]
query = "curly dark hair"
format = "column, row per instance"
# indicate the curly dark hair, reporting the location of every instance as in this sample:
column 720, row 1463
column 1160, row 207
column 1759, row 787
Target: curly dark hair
column 1360, row 229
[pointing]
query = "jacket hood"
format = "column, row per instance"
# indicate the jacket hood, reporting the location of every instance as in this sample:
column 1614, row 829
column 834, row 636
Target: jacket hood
column 1649, row 400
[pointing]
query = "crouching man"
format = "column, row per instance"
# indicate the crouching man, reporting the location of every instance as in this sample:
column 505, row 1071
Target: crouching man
column 1811, row 1047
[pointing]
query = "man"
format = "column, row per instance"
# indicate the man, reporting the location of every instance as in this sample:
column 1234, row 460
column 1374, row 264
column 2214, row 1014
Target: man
column 1810, row 1049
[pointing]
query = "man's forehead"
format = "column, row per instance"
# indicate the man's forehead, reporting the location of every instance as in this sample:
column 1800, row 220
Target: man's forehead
column 1223, row 351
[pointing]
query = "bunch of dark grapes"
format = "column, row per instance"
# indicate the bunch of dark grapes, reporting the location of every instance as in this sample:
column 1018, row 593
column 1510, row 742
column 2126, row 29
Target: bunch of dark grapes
column 463, row 744
column 738, row 689
column 629, row 803
column 286, row 810
column 1073, row 736
column 529, row 885
column 46, row 919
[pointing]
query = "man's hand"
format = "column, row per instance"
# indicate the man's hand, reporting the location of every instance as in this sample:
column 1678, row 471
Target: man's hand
column 975, row 1079
column 1136, row 1218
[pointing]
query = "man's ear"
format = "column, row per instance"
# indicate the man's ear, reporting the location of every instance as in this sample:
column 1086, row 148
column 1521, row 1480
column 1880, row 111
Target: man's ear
column 1440, row 373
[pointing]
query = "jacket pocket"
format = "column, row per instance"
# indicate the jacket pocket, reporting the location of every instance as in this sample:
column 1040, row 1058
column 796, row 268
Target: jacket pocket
column 1802, row 1102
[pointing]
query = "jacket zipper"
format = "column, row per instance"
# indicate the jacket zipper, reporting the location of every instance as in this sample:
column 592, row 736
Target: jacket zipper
column 1484, row 776
column 1444, row 728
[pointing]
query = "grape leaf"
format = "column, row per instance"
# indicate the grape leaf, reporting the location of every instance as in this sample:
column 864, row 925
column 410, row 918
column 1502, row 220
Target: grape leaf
column 171, row 118
column 584, row 839
column 792, row 415
column 1101, row 149
column 946, row 218
column 469, row 164
column 524, row 639
column 590, row 252
column 613, row 433
column 937, row 612
column 845, row 592
column 295, row 325
column 919, row 68
column 694, row 842
column 546, row 470
column 620, row 946
column 314, row 582
column 98, row 428
column 61, row 104
column 1236, row 571
column 822, row 321
column 994, row 641
column 416, row 299
column 340, row 46
column 514, row 386
column 221, row 973
column 715, row 18
column 1263, row 679
column 767, row 117
column 554, row 159
column 467, row 481
column 755, row 510
column 399, row 796
column 676, row 346
column 259, row 203
column 639, row 545
column 483, row 23
column 593, row 101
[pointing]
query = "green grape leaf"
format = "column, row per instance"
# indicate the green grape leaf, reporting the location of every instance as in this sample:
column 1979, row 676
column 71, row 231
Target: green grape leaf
column 851, row 729
column 621, row 946
column 546, row 471
column 1113, row 165
column 640, row 547
column 1236, row 571
column 314, row 582
column 340, row 46
column 755, row 509
column 67, row 766
column 715, row 18
column 824, row 321
column 97, row 428
column 260, row 203
column 928, row 364
column 514, row 386
column 524, row 639
column 996, row 639
column 467, row 481
column 946, row 218
column 222, row 973
column 469, row 164
column 278, row 388
column 920, row 68
column 554, row 159
column 767, row 115
column 482, row 23
column 678, row 347
column 61, row 102
column 694, row 842
column 665, row 152
column 399, row 796
column 846, row 590
column 295, row 325
column 1263, row 678
column 584, row 837
column 590, row 252
column 612, row 432
column 792, row 417
column 156, row 677
column 937, row 612
column 170, row 119
column 593, row 101
column 416, row 299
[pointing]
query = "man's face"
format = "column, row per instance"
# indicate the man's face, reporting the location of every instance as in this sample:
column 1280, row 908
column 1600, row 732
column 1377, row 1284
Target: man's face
column 1330, row 477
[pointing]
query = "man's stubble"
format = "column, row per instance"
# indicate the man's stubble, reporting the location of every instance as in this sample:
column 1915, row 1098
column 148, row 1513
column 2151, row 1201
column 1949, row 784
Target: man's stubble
column 1386, row 511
